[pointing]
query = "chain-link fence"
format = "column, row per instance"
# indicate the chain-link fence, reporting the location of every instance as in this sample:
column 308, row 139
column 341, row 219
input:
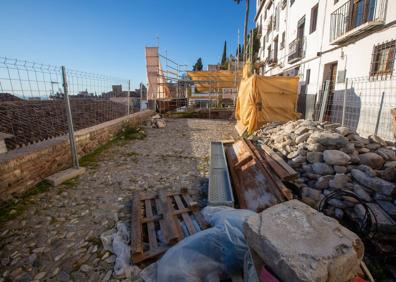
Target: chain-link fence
column 35, row 98
column 363, row 104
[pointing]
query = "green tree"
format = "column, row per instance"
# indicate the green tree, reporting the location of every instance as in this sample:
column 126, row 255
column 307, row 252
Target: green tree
column 245, row 27
column 198, row 65
column 239, row 53
column 224, row 56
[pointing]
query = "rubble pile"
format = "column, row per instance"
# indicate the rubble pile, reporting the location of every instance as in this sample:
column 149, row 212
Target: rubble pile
column 329, row 157
column 157, row 121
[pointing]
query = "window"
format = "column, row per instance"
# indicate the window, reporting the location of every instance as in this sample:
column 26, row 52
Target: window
column 292, row 2
column 361, row 11
column 383, row 59
column 335, row 2
column 276, row 49
column 314, row 19
column 307, row 76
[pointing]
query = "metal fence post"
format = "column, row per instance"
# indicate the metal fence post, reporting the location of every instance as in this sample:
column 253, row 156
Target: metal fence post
column 69, row 120
column 379, row 114
column 128, row 98
column 344, row 102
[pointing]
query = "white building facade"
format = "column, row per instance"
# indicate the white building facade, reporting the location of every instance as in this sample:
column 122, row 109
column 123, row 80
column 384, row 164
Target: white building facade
column 349, row 43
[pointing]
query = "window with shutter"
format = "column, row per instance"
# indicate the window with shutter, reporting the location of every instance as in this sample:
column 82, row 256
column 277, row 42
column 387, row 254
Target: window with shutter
column 314, row 18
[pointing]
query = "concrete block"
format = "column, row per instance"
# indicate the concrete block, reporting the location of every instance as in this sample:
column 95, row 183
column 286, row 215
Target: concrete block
column 64, row 175
column 299, row 243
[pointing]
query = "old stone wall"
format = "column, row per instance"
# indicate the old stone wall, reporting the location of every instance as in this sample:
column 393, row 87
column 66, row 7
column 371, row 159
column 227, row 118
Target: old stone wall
column 22, row 168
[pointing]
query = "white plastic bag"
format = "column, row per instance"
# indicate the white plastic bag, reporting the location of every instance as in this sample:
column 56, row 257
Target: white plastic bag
column 210, row 255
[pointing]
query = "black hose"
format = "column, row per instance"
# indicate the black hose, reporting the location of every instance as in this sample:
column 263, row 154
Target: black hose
column 368, row 225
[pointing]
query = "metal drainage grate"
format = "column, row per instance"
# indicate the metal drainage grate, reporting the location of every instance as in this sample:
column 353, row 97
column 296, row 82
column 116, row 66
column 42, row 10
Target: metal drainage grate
column 220, row 189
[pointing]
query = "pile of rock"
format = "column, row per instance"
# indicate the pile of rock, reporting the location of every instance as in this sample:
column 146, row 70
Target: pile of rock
column 330, row 157
column 157, row 121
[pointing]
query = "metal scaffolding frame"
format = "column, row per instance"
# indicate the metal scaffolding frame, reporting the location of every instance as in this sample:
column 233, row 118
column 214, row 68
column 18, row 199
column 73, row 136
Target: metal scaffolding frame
column 170, row 88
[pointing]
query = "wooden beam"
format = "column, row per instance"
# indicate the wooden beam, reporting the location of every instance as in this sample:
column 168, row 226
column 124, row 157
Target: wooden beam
column 235, row 179
column 151, row 226
column 136, row 230
column 278, row 159
column 282, row 188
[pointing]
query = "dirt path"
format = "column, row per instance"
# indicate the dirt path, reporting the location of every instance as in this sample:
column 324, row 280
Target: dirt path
column 57, row 238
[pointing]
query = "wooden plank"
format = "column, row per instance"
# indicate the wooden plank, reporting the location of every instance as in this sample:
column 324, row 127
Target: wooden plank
column 158, row 217
column 227, row 141
column 276, row 184
column 136, row 226
column 257, row 188
column 151, row 219
column 171, row 219
column 244, row 160
column 235, row 178
column 169, row 236
column 198, row 216
column 137, row 258
column 151, row 226
column 283, row 174
column 282, row 188
column 186, row 217
column 278, row 159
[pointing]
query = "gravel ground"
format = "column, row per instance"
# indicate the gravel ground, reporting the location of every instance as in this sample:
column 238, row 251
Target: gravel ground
column 57, row 238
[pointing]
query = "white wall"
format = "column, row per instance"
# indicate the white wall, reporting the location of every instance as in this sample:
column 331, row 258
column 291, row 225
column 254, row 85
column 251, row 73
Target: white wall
column 357, row 59
column 354, row 56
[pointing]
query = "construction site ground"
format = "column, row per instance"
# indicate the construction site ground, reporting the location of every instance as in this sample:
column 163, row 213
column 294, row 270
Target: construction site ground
column 56, row 236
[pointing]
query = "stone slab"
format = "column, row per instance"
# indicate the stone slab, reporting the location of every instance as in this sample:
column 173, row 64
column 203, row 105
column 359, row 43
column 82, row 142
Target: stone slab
column 64, row 175
column 299, row 243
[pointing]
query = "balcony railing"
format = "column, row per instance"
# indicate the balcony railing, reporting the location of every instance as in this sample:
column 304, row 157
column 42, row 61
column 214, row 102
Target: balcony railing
column 355, row 17
column 296, row 50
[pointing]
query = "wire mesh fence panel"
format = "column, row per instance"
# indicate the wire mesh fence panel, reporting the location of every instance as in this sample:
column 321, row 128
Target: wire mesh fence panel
column 95, row 99
column 32, row 101
column 363, row 104
column 370, row 102
column 27, row 111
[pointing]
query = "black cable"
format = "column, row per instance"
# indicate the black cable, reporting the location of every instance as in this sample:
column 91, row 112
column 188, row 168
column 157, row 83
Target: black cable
column 368, row 225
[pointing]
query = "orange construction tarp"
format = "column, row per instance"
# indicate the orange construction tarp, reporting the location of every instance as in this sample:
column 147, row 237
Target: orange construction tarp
column 263, row 99
column 210, row 80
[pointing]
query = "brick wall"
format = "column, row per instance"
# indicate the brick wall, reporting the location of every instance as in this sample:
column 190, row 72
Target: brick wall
column 23, row 168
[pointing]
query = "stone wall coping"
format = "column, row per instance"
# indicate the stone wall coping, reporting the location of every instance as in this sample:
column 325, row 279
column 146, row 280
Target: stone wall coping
column 20, row 152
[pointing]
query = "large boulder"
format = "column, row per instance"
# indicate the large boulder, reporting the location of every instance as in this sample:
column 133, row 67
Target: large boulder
column 301, row 244
column 315, row 157
column 335, row 157
column 322, row 169
column 372, row 159
column 375, row 183
column 387, row 154
column 328, row 139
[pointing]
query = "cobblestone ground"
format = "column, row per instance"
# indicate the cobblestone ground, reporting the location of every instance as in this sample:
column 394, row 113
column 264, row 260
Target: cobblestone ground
column 57, row 238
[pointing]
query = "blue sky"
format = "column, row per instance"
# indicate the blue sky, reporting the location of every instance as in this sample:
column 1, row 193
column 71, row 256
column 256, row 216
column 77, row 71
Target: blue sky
column 109, row 36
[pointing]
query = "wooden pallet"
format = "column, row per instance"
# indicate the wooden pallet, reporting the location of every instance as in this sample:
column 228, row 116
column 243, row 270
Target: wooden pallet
column 159, row 220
